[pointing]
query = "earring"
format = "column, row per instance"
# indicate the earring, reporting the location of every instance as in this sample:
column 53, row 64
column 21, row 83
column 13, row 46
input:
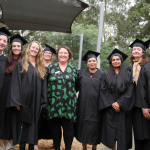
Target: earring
column 29, row 54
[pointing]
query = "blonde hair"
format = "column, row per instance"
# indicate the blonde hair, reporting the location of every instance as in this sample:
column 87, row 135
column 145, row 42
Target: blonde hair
column 39, row 61
column 51, row 58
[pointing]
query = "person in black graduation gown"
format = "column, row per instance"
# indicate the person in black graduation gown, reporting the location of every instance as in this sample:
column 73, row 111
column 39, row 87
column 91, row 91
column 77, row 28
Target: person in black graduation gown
column 117, row 119
column 44, row 131
column 88, row 125
column 147, row 45
column 4, row 33
column 15, row 54
column 137, row 63
column 28, row 95
column 145, row 103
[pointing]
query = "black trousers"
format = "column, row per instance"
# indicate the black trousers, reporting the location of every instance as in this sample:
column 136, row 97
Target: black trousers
column 142, row 144
column 68, row 132
column 22, row 146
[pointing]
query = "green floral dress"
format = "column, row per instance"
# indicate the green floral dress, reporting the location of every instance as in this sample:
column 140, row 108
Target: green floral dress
column 61, row 92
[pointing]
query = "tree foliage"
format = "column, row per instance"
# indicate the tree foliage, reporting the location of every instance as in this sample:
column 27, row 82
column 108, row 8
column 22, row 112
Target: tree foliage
column 124, row 20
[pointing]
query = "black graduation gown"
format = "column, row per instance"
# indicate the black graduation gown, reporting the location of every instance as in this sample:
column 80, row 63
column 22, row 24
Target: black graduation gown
column 44, row 128
column 26, row 89
column 5, row 117
column 141, row 124
column 139, row 121
column 3, row 64
column 117, row 124
column 88, row 125
column 6, row 122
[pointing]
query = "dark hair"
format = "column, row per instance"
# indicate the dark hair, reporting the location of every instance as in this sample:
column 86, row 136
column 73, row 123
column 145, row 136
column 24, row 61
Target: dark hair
column 143, row 62
column 67, row 48
column 122, row 82
column 10, row 59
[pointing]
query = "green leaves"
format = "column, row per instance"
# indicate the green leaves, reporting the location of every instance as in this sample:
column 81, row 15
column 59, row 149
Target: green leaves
column 124, row 20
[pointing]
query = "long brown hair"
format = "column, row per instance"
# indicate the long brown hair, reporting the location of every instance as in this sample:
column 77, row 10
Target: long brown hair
column 143, row 62
column 10, row 59
column 39, row 61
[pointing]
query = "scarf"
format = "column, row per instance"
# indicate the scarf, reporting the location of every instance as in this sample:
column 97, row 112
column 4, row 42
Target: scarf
column 136, row 70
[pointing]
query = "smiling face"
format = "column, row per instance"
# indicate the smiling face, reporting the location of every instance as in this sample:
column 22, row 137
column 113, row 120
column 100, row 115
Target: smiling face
column 48, row 55
column 116, row 61
column 3, row 42
column 92, row 63
column 16, row 48
column 137, row 52
column 63, row 55
column 34, row 49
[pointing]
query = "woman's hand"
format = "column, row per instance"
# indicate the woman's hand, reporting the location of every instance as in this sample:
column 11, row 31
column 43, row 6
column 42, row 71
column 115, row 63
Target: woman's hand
column 18, row 107
column 117, row 110
column 146, row 113
column 116, row 107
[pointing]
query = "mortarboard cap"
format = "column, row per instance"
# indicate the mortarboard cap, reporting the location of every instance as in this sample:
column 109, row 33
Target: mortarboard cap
column 24, row 114
column 147, row 44
column 89, row 54
column 49, row 48
column 4, row 31
column 18, row 38
column 117, row 52
column 138, row 43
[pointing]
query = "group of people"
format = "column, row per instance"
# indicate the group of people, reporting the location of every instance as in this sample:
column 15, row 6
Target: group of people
column 38, row 98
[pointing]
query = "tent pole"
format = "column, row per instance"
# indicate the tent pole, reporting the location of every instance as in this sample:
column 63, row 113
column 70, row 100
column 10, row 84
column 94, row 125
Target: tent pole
column 80, row 52
column 100, row 27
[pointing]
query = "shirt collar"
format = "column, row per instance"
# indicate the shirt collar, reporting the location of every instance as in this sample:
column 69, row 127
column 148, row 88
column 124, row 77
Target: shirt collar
column 1, row 53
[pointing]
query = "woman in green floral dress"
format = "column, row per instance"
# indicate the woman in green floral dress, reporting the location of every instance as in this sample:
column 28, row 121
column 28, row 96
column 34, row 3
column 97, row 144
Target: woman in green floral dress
column 62, row 100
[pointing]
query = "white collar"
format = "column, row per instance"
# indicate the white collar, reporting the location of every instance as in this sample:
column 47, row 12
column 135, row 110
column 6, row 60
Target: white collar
column 1, row 53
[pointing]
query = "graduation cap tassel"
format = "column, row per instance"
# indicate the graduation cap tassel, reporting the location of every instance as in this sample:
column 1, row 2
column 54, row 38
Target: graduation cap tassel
column 8, row 46
column 20, row 135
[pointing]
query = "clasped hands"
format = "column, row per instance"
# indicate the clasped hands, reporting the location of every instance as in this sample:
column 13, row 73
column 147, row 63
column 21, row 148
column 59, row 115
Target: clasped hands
column 116, row 107
column 146, row 113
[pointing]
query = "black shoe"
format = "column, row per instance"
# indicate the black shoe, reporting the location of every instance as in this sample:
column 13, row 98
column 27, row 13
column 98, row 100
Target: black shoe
column 93, row 149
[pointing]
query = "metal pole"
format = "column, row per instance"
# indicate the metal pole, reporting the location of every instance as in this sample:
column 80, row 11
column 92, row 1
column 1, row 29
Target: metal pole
column 101, row 18
column 80, row 52
column 100, row 27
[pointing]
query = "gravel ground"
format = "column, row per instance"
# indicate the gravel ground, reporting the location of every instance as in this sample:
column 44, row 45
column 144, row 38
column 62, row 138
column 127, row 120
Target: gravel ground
column 47, row 144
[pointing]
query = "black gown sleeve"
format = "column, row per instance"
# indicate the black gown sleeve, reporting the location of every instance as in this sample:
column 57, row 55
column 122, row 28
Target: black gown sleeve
column 105, row 98
column 126, row 101
column 14, row 97
column 144, row 87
